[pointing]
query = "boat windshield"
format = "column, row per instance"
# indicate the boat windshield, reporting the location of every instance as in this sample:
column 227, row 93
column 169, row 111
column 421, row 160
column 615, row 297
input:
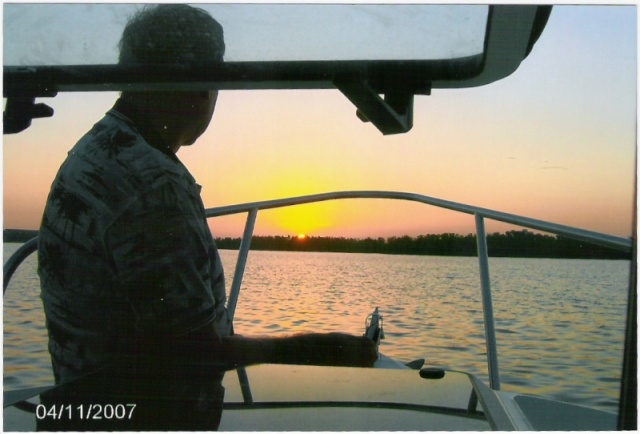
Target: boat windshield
column 88, row 34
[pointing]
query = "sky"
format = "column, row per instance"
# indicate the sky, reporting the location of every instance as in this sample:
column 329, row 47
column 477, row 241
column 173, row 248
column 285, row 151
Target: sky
column 554, row 141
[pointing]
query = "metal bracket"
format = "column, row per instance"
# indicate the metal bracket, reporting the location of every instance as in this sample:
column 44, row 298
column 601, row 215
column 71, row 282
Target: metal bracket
column 20, row 111
column 392, row 114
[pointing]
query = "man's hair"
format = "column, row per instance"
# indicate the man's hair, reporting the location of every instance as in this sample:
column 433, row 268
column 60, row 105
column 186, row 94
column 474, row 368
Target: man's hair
column 171, row 34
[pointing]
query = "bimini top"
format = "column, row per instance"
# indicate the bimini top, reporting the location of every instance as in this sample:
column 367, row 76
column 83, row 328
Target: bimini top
column 365, row 51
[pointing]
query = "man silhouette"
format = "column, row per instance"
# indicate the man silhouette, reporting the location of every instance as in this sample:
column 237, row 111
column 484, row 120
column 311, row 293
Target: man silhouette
column 129, row 271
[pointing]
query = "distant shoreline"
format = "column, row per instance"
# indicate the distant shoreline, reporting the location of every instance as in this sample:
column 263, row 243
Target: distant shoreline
column 18, row 235
column 512, row 244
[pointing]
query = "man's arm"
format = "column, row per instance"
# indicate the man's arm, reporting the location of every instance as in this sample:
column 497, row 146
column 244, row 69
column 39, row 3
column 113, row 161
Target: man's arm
column 325, row 349
column 328, row 349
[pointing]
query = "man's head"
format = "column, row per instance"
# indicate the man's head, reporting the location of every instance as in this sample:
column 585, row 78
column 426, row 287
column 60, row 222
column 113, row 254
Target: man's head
column 173, row 35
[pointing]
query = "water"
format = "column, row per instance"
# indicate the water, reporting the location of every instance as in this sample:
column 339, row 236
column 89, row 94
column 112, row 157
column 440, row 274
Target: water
column 559, row 323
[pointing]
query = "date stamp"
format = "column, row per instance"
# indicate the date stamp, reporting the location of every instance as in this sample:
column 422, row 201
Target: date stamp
column 86, row 412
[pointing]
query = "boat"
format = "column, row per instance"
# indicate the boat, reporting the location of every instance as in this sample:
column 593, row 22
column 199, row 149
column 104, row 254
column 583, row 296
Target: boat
column 395, row 395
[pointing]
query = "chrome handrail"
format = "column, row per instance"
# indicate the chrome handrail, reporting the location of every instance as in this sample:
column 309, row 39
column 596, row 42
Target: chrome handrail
column 614, row 242
column 252, row 209
column 619, row 243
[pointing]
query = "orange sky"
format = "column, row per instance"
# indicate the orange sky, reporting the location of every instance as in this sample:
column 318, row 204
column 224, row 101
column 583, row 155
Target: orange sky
column 554, row 141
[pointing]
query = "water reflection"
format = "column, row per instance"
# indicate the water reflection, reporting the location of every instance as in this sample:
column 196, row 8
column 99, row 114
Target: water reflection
column 560, row 324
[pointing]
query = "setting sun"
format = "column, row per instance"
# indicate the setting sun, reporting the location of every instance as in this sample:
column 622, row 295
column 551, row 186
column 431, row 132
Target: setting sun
column 302, row 236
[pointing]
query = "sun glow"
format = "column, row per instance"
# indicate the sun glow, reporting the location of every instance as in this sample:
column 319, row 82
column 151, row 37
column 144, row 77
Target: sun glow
column 302, row 237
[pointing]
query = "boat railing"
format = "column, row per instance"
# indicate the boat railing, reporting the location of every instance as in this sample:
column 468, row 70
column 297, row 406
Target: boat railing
column 480, row 214
column 252, row 209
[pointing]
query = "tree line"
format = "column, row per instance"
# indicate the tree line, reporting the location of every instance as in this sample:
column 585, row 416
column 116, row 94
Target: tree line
column 18, row 235
column 515, row 244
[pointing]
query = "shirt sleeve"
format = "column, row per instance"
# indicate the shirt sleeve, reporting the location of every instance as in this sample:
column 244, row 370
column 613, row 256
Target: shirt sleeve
column 162, row 259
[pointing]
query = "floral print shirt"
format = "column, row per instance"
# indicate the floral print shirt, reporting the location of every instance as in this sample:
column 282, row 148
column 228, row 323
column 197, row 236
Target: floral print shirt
column 124, row 250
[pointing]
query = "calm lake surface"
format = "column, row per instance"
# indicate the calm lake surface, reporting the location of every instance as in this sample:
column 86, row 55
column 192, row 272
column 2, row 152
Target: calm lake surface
column 560, row 323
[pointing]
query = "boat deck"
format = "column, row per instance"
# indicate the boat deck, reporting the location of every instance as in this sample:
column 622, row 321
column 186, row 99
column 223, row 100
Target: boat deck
column 312, row 398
